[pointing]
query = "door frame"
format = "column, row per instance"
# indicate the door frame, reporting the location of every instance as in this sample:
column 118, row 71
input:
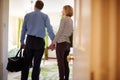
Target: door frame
column 82, row 40
column 4, row 21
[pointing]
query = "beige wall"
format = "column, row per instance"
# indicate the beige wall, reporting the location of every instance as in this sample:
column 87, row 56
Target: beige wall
column 0, row 43
column 105, row 40
column 4, row 14
column 95, row 36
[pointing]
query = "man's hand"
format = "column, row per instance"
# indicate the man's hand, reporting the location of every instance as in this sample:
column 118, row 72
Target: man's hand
column 22, row 46
column 52, row 47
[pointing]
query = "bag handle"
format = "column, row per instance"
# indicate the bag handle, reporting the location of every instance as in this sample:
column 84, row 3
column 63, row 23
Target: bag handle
column 19, row 52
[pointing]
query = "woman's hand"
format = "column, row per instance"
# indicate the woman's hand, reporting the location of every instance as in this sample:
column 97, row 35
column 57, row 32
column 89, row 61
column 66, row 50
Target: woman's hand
column 52, row 47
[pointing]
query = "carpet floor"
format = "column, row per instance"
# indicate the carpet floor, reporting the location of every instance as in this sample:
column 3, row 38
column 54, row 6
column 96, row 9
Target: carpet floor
column 49, row 71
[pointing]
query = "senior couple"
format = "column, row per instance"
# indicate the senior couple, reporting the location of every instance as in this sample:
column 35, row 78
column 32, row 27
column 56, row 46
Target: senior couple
column 32, row 40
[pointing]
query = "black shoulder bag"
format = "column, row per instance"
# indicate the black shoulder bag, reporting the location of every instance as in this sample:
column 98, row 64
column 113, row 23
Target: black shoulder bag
column 15, row 64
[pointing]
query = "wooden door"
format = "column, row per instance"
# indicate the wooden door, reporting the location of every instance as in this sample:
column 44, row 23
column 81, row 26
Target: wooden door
column 81, row 40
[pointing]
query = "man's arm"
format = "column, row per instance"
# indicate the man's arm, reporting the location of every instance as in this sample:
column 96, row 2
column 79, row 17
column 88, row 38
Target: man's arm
column 49, row 28
column 60, row 31
column 23, row 31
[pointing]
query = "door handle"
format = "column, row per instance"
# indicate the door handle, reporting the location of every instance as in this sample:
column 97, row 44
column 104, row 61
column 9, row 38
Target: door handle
column 70, row 58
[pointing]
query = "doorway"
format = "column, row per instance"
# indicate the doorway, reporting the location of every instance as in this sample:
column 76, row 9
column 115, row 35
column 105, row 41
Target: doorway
column 16, row 14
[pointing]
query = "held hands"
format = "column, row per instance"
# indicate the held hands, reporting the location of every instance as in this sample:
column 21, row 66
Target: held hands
column 52, row 47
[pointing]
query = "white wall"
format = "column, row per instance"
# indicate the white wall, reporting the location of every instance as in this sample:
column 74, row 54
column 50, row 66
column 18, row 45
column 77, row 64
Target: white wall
column 21, row 7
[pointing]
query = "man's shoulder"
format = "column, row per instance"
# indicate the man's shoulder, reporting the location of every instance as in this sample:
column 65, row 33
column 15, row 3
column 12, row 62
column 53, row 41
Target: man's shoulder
column 44, row 14
column 40, row 13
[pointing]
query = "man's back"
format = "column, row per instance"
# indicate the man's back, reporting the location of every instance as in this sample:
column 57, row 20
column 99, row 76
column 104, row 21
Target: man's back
column 35, row 24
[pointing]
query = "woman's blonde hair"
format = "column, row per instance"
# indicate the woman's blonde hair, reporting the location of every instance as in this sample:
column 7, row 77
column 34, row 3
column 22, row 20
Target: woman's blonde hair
column 68, row 10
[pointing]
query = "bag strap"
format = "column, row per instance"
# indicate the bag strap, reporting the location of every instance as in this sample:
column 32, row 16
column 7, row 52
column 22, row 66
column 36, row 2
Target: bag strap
column 19, row 53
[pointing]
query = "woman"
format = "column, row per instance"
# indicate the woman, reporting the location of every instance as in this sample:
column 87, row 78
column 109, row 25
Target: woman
column 62, row 42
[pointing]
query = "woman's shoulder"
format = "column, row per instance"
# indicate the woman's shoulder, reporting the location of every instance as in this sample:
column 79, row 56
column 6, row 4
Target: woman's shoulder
column 66, row 19
column 63, row 19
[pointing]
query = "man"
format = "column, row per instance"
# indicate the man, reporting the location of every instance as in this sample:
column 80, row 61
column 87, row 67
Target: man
column 34, row 27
